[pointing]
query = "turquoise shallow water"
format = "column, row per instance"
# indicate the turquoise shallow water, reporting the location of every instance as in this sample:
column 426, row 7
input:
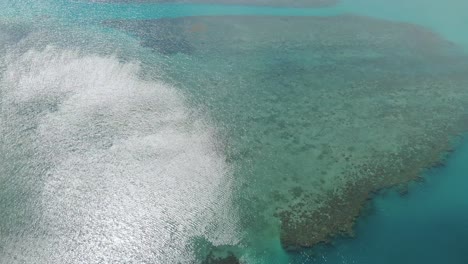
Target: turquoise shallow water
column 447, row 18
column 429, row 225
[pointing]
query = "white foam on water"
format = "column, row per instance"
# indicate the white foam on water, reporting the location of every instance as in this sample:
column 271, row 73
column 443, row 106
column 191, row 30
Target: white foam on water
column 133, row 174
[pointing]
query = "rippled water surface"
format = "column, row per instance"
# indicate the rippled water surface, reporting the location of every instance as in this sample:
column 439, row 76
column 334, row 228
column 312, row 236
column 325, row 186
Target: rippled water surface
column 266, row 131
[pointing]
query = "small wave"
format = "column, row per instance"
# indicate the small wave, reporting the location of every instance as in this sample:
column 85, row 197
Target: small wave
column 128, row 172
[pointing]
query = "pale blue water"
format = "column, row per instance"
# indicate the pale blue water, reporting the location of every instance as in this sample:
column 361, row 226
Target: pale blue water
column 429, row 225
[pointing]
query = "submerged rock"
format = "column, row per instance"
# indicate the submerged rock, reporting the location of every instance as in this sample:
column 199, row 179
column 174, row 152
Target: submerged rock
column 229, row 259
column 340, row 106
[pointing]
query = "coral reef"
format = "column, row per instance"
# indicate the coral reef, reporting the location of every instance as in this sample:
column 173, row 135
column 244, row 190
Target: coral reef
column 319, row 113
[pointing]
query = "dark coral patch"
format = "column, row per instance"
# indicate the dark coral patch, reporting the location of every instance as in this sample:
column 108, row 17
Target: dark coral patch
column 229, row 259
column 164, row 36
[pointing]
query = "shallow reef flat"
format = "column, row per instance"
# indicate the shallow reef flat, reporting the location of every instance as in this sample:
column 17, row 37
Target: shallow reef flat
column 286, row 3
column 318, row 113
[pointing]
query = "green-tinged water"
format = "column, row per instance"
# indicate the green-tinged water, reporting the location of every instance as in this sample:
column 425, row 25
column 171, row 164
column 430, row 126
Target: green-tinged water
column 141, row 132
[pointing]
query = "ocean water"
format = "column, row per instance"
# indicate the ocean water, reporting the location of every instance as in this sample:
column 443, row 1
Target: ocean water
column 141, row 132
